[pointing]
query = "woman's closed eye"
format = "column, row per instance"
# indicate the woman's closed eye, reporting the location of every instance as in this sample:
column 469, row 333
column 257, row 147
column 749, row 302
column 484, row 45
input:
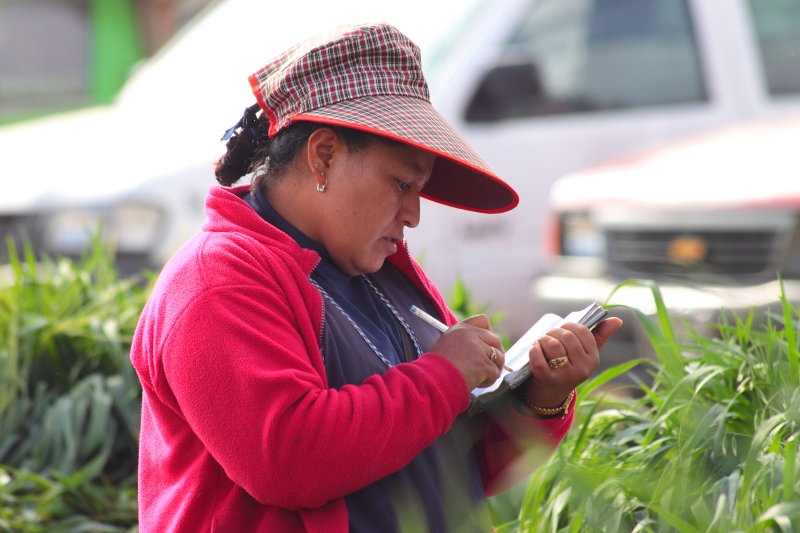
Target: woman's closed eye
column 402, row 185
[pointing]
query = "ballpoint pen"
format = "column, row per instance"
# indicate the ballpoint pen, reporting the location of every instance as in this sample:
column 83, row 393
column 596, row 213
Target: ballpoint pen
column 429, row 319
column 436, row 323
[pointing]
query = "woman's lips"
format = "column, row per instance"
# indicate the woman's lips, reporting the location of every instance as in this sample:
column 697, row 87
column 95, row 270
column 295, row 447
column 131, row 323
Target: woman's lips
column 393, row 242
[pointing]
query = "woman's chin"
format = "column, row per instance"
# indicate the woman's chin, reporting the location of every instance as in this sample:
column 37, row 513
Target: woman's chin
column 372, row 261
column 373, row 265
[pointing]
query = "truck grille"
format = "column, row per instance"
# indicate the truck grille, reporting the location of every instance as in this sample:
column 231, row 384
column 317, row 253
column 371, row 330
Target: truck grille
column 708, row 253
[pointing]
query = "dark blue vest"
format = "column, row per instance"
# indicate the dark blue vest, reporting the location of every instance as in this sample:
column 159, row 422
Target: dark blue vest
column 440, row 490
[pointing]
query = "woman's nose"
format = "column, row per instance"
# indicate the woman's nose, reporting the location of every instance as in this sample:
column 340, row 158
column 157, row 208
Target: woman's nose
column 409, row 211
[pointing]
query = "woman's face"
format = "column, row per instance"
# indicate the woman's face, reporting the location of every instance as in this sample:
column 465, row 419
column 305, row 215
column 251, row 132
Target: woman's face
column 371, row 196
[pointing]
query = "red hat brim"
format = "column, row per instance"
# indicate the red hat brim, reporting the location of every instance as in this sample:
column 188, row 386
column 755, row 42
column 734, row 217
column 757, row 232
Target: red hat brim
column 460, row 177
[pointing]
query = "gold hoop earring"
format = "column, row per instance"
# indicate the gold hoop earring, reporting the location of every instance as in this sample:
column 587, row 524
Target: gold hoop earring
column 321, row 188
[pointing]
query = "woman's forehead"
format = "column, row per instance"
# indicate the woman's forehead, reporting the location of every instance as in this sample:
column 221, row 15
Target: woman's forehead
column 413, row 162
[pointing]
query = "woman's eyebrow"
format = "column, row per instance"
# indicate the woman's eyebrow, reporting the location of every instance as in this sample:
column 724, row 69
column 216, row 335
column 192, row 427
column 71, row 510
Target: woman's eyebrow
column 415, row 171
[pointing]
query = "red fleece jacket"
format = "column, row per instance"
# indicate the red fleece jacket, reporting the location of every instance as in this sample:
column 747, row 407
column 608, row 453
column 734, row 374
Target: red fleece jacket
column 240, row 431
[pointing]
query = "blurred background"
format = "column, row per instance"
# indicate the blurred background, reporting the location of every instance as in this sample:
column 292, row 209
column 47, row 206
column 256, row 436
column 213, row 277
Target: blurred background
column 598, row 112
column 61, row 54
column 648, row 139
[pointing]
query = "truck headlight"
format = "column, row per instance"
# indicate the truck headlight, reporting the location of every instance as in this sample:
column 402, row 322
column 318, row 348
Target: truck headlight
column 131, row 228
column 70, row 232
column 136, row 228
column 580, row 236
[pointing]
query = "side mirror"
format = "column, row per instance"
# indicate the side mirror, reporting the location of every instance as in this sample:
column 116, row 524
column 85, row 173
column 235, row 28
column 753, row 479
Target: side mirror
column 507, row 91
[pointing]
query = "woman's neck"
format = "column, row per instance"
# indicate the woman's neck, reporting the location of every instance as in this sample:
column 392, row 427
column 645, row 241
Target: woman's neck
column 289, row 200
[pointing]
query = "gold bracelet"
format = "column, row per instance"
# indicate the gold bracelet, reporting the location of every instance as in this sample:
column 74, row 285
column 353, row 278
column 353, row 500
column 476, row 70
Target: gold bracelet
column 549, row 411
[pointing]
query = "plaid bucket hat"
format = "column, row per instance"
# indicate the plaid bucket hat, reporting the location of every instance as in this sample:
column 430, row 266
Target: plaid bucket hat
column 369, row 77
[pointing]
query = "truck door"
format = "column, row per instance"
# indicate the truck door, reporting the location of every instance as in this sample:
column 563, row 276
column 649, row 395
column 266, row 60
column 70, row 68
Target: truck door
column 550, row 86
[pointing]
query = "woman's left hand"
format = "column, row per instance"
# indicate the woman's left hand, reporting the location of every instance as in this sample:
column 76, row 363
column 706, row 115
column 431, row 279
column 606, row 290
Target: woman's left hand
column 574, row 352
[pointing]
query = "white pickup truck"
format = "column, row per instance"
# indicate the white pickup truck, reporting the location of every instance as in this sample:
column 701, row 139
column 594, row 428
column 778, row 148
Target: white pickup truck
column 714, row 219
column 540, row 88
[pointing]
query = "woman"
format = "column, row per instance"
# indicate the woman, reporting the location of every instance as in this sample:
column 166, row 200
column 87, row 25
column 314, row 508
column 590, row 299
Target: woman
column 286, row 385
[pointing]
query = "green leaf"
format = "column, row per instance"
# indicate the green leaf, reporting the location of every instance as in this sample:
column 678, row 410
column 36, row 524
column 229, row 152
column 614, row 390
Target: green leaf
column 675, row 521
column 781, row 514
column 662, row 336
column 789, row 467
column 764, row 430
column 791, row 336
column 587, row 387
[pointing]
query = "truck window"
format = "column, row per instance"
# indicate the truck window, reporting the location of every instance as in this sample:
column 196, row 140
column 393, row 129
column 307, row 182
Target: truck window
column 777, row 25
column 571, row 56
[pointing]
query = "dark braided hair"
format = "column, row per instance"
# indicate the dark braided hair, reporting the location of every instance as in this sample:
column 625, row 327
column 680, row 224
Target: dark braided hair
column 250, row 149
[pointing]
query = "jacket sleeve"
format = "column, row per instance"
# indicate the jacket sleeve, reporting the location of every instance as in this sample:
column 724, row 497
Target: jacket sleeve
column 511, row 445
column 242, row 377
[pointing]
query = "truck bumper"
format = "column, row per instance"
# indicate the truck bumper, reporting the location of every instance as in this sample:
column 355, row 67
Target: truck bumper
column 699, row 307
column 565, row 294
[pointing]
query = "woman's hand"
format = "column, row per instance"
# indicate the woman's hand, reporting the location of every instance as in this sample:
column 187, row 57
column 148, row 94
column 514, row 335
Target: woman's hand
column 469, row 345
column 550, row 386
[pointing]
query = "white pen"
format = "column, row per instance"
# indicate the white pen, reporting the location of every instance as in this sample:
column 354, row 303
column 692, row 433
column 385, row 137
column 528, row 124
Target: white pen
column 428, row 318
column 437, row 324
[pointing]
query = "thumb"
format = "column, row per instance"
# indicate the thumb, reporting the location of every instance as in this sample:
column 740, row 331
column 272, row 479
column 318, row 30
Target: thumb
column 479, row 321
column 605, row 329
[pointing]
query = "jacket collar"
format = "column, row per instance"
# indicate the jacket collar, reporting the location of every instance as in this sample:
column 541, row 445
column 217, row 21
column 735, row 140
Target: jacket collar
column 227, row 211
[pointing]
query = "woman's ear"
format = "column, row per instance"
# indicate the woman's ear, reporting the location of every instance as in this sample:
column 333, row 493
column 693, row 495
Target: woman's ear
column 324, row 148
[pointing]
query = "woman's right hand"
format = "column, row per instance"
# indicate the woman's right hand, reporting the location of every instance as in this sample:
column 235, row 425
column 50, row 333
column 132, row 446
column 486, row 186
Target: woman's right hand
column 468, row 345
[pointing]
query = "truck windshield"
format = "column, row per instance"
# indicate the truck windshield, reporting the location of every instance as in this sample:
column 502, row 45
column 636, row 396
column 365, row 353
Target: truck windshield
column 777, row 26
column 571, row 56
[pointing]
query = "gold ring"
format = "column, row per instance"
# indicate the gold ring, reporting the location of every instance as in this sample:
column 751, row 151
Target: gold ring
column 493, row 355
column 558, row 362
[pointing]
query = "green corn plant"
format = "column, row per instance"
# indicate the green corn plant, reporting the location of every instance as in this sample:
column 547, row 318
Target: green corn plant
column 70, row 400
column 463, row 305
column 710, row 447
